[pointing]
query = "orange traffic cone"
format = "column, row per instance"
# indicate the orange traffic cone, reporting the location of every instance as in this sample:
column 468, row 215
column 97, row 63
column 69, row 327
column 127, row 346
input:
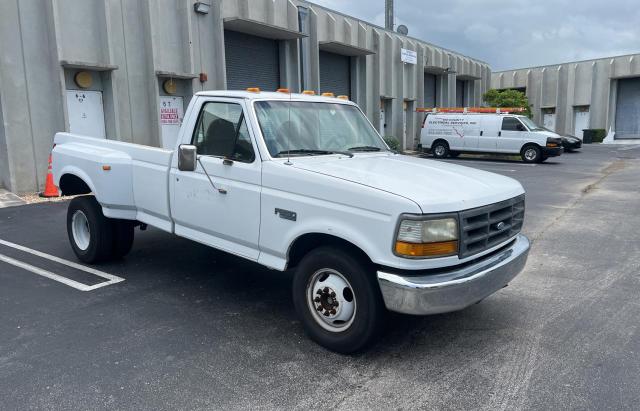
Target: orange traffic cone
column 50, row 189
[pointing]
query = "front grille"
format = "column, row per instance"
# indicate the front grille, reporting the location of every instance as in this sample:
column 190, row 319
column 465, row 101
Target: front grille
column 487, row 226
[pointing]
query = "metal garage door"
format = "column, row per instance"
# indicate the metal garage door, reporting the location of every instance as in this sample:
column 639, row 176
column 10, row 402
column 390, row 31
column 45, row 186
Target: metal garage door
column 460, row 93
column 628, row 108
column 430, row 90
column 251, row 61
column 335, row 73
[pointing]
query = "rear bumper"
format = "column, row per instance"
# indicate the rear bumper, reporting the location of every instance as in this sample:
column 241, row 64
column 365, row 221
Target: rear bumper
column 456, row 288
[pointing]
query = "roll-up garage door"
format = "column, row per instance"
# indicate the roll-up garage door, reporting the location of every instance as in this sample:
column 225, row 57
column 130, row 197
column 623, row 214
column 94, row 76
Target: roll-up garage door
column 335, row 73
column 251, row 61
column 628, row 109
column 460, row 93
column 430, row 90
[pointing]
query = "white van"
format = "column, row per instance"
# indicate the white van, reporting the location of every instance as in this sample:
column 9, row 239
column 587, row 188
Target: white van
column 445, row 134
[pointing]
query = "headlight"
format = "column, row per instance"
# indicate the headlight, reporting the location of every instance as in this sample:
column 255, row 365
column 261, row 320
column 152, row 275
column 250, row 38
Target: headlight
column 427, row 238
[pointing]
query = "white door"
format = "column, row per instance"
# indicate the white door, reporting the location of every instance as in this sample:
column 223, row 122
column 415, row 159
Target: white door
column 226, row 216
column 511, row 135
column 580, row 120
column 489, row 129
column 86, row 113
column 549, row 120
column 171, row 115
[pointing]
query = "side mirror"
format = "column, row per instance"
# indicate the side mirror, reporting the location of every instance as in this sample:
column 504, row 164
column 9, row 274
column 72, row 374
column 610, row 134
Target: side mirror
column 187, row 157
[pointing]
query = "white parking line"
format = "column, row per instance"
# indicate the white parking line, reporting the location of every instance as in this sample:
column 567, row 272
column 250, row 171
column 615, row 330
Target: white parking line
column 111, row 279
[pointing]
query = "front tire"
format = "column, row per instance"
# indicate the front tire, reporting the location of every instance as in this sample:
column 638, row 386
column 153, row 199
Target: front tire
column 338, row 300
column 531, row 154
column 90, row 232
column 440, row 149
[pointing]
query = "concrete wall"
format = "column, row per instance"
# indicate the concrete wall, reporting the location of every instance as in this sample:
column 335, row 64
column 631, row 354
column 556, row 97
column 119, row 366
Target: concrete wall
column 565, row 86
column 130, row 47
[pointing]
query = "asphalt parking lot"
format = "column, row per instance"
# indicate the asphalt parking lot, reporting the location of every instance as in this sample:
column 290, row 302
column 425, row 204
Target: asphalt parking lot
column 177, row 325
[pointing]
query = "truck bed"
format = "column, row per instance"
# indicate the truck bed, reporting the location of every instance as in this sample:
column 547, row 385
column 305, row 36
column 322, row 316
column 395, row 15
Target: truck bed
column 129, row 180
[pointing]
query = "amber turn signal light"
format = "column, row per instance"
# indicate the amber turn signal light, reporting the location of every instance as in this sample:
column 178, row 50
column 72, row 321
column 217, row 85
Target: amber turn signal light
column 439, row 249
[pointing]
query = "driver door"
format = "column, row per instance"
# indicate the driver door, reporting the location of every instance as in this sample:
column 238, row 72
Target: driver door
column 511, row 135
column 226, row 216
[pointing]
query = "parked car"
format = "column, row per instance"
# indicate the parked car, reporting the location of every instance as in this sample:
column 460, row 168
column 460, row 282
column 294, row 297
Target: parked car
column 571, row 143
column 304, row 183
column 449, row 134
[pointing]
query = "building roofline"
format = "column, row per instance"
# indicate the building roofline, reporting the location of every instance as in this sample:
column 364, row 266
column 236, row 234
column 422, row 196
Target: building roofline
column 391, row 31
column 567, row 62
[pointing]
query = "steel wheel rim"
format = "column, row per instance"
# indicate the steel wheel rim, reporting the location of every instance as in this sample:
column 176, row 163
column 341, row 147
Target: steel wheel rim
column 439, row 150
column 530, row 154
column 80, row 230
column 331, row 300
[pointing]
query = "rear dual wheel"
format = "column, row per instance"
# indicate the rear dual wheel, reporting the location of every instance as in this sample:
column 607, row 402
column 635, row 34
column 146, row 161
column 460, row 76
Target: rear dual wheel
column 94, row 237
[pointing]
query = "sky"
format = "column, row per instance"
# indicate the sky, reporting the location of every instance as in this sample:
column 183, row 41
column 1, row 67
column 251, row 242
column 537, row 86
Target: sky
column 511, row 34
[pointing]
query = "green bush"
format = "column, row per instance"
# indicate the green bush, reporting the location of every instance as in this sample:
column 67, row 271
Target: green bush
column 392, row 142
column 600, row 134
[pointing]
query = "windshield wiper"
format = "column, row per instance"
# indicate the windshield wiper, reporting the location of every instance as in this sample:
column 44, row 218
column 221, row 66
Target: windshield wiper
column 365, row 148
column 312, row 152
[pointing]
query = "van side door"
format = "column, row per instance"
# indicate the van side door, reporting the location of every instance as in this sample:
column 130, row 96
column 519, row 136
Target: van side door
column 489, row 129
column 512, row 135
column 219, row 207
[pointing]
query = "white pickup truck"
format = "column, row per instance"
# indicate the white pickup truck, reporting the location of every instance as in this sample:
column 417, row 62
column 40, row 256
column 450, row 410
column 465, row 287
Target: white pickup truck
column 304, row 182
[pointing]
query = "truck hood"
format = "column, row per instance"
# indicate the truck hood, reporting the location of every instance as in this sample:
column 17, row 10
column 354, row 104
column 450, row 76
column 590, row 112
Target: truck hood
column 435, row 186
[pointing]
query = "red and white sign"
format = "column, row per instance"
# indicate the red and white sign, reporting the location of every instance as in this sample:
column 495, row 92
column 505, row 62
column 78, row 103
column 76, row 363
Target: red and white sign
column 171, row 114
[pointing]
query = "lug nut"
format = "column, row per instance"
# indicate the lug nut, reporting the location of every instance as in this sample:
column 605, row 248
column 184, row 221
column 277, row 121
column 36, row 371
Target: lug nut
column 326, row 313
column 332, row 294
column 317, row 299
column 319, row 308
column 319, row 292
column 326, row 289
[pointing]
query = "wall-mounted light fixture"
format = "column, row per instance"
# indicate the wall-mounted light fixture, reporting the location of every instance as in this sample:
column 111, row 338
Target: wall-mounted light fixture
column 83, row 79
column 170, row 87
column 201, row 8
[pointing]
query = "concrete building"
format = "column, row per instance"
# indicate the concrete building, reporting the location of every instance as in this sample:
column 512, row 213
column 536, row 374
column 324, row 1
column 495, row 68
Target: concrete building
column 569, row 97
column 127, row 69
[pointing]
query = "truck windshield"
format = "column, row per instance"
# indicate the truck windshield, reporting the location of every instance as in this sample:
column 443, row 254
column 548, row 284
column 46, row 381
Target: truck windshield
column 530, row 124
column 308, row 128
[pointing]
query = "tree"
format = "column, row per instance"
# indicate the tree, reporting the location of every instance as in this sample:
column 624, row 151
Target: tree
column 508, row 98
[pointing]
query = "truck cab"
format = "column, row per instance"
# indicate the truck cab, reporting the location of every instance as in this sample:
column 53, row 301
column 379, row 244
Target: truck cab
column 304, row 183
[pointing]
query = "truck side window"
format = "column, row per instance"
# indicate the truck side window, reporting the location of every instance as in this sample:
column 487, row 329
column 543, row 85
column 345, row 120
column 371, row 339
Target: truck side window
column 222, row 131
column 512, row 124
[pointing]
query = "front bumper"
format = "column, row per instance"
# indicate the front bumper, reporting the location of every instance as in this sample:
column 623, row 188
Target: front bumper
column 552, row 151
column 455, row 288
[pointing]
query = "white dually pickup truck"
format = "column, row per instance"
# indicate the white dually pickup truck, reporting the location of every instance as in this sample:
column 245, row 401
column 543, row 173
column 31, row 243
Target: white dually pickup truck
column 303, row 182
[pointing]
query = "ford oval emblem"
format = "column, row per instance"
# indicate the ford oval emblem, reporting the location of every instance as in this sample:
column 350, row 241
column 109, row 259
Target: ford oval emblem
column 500, row 225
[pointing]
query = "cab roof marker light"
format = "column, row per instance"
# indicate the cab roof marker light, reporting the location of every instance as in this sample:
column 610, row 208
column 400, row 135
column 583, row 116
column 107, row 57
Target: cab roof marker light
column 309, row 92
column 343, row 97
column 283, row 90
column 253, row 89
column 327, row 94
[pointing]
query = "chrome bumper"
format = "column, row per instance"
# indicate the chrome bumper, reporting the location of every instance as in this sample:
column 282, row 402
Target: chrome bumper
column 456, row 288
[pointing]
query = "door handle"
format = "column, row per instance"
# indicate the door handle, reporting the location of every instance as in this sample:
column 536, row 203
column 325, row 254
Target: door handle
column 481, row 133
column 499, row 133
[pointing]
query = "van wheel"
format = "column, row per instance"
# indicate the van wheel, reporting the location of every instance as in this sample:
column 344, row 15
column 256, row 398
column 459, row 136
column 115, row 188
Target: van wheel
column 338, row 300
column 123, row 233
column 531, row 154
column 440, row 149
column 90, row 232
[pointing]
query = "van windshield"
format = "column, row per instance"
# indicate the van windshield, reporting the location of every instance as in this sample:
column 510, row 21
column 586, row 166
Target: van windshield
column 531, row 125
column 309, row 128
